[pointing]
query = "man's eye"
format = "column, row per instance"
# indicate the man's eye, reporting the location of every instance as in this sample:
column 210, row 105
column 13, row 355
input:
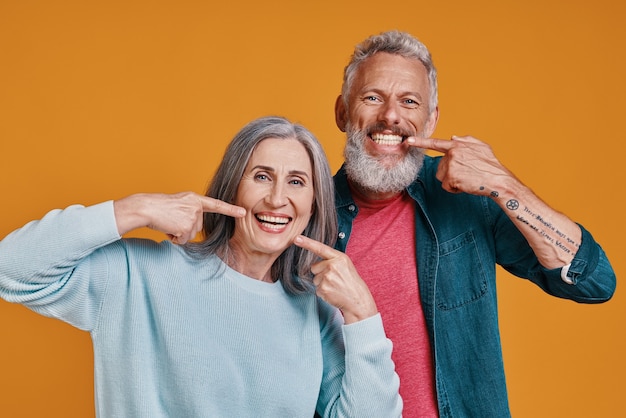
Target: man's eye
column 371, row 98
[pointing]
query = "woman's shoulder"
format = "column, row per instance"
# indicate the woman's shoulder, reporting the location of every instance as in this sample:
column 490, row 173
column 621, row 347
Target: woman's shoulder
column 161, row 251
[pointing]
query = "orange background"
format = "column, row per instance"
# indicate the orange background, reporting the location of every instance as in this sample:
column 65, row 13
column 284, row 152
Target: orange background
column 102, row 99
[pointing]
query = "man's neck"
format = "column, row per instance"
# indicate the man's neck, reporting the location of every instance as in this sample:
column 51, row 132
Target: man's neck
column 370, row 194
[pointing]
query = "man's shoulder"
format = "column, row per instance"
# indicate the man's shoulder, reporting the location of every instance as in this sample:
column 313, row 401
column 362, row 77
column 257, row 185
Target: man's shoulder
column 342, row 190
column 429, row 167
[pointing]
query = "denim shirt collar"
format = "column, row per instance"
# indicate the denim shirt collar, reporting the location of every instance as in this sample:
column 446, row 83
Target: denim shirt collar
column 343, row 197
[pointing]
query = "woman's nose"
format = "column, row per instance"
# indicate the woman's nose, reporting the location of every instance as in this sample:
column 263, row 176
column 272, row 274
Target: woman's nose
column 276, row 196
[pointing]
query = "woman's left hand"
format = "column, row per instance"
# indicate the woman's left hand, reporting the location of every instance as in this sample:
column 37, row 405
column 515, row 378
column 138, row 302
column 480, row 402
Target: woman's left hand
column 338, row 283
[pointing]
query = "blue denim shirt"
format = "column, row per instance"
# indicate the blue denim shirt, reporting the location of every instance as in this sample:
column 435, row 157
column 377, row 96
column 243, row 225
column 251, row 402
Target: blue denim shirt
column 459, row 240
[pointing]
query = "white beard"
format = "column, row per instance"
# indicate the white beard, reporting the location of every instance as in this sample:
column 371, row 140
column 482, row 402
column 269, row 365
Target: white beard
column 370, row 173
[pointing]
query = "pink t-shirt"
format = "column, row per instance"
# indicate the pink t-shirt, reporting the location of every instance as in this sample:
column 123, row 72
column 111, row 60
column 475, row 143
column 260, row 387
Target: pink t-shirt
column 382, row 247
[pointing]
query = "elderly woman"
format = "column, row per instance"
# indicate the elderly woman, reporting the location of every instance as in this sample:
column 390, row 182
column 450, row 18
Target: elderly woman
column 228, row 326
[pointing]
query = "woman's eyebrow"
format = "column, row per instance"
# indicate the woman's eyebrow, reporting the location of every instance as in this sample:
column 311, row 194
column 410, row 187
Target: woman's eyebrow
column 271, row 169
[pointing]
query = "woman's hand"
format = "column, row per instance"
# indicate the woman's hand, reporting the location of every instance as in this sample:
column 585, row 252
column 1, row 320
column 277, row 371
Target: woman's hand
column 338, row 283
column 179, row 215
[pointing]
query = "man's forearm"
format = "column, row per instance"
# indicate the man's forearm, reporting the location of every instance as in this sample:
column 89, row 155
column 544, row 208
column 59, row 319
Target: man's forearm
column 553, row 236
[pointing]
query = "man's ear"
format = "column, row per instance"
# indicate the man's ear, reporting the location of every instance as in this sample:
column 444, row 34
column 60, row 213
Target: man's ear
column 340, row 113
column 431, row 124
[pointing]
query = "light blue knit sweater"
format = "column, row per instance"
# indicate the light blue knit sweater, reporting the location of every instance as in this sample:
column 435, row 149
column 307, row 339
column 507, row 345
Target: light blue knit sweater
column 178, row 337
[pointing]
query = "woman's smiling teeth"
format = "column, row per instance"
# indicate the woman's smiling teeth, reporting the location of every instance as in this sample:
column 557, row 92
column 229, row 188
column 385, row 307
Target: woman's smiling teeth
column 387, row 139
column 273, row 222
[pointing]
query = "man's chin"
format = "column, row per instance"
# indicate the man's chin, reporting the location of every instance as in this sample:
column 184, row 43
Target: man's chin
column 378, row 169
column 378, row 178
column 389, row 162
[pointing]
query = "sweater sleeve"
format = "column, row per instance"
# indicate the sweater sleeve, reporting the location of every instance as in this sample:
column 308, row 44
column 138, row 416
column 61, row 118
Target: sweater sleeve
column 48, row 265
column 359, row 375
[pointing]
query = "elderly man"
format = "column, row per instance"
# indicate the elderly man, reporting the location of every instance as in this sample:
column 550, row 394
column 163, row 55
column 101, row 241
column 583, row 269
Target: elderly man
column 426, row 233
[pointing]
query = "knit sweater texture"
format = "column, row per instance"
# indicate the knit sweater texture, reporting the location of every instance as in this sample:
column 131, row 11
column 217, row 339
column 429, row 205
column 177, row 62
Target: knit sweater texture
column 174, row 336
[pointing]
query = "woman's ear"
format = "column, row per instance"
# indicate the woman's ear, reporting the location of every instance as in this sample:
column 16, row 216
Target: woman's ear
column 340, row 113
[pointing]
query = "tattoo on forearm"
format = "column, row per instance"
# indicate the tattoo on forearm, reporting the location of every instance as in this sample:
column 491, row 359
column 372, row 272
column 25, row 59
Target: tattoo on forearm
column 493, row 194
column 512, row 204
column 544, row 228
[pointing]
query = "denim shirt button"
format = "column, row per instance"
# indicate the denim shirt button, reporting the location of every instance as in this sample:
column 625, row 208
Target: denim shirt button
column 342, row 235
column 351, row 208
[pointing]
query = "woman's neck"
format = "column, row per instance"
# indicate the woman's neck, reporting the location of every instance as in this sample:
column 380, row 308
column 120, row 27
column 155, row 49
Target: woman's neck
column 255, row 265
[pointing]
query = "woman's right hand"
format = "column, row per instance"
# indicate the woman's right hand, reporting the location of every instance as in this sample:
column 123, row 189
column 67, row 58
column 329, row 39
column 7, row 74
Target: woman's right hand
column 179, row 215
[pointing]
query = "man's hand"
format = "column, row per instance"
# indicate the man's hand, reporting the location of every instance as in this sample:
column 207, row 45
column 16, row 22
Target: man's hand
column 179, row 216
column 468, row 165
column 338, row 282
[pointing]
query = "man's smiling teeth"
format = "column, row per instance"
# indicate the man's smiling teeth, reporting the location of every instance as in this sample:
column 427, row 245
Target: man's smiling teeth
column 386, row 139
column 275, row 222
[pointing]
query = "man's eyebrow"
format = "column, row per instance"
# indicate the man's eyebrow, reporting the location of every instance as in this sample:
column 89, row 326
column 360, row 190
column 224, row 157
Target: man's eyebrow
column 370, row 89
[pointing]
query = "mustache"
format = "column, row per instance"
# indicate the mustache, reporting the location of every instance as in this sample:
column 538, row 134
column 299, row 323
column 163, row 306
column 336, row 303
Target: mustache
column 395, row 130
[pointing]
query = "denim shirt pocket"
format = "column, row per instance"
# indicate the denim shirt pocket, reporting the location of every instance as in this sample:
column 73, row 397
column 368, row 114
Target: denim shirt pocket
column 461, row 277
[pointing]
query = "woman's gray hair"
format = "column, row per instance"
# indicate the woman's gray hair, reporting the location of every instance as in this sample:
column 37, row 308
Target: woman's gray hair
column 391, row 42
column 293, row 266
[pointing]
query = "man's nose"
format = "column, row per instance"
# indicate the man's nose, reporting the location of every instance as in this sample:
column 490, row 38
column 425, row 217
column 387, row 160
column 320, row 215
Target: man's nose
column 390, row 113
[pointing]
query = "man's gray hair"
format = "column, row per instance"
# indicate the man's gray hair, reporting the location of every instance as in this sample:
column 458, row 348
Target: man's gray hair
column 396, row 43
